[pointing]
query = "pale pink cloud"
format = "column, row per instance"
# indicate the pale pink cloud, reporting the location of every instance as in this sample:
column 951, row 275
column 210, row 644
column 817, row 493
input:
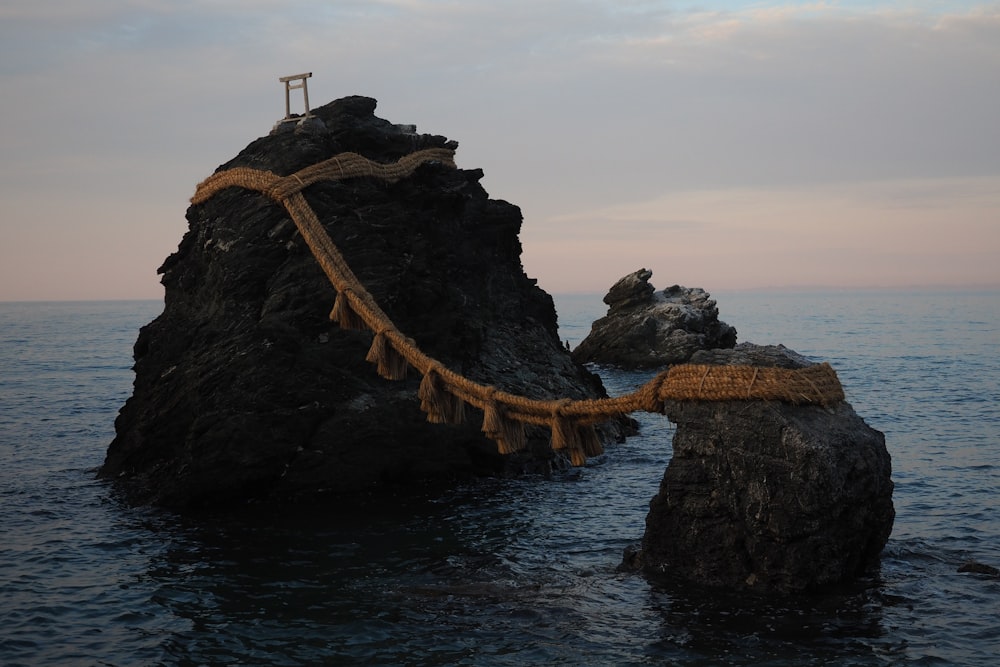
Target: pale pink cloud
column 630, row 134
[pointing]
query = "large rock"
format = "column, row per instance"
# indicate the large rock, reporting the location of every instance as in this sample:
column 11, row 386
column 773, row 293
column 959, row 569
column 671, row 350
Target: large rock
column 244, row 389
column 768, row 496
column 646, row 329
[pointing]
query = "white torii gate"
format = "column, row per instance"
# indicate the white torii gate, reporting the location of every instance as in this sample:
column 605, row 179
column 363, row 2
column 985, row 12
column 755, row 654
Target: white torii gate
column 289, row 87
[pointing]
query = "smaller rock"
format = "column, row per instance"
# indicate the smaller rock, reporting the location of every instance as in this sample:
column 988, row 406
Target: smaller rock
column 646, row 329
column 767, row 496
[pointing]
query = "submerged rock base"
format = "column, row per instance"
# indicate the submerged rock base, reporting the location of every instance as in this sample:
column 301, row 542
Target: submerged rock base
column 768, row 496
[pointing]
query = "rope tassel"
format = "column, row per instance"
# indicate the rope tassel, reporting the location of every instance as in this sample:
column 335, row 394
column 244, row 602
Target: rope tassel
column 506, row 432
column 579, row 441
column 441, row 406
column 591, row 441
column 512, row 438
column 345, row 316
column 390, row 364
column 565, row 434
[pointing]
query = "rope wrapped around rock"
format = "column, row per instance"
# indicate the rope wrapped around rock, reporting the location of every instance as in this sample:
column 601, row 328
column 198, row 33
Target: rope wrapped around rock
column 444, row 393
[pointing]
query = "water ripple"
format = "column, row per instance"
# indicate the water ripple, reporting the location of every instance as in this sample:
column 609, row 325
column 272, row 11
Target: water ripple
column 498, row 572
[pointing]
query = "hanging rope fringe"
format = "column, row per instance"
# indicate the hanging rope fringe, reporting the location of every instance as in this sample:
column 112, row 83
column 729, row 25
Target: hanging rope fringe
column 591, row 441
column 441, row 406
column 344, row 315
column 577, row 457
column 498, row 427
column 443, row 393
column 511, row 437
column 390, row 364
column 563, row 431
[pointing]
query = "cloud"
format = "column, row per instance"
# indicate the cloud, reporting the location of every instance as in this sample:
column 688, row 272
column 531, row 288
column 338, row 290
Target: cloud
column 571, row 108
column 883, row 233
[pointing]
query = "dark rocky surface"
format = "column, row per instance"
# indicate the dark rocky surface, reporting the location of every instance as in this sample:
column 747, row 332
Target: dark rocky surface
column 768, row 496
column 245, row 390
column 649, row 329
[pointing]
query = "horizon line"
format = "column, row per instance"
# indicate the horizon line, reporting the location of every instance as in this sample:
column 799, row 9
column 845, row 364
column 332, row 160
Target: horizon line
column 932, row 287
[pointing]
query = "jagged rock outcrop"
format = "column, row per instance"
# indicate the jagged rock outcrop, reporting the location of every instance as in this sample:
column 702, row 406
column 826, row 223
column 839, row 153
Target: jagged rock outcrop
column 244, row 389
column 646, row 329
column 768, row 496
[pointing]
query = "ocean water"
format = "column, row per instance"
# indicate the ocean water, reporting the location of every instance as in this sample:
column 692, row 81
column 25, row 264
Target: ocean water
column 495, row 572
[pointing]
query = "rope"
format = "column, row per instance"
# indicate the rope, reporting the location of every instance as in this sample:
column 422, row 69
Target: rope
column 444, row 393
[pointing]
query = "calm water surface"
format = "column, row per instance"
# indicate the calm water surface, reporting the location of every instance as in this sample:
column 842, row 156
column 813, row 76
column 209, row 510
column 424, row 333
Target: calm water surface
column 499, row 572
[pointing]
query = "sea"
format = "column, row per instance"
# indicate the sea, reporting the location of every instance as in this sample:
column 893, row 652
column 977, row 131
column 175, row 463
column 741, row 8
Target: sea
column 496, row 571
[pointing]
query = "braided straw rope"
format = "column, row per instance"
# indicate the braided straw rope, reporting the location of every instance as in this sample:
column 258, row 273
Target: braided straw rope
column 444, row 393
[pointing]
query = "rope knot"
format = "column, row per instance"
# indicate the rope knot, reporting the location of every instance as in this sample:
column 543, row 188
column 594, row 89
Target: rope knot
column 652, row 396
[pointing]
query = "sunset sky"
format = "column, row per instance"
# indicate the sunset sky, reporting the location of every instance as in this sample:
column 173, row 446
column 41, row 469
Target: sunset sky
column 723, row 145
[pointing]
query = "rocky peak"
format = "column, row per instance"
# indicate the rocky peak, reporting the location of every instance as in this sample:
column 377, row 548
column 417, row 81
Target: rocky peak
column 630, row 291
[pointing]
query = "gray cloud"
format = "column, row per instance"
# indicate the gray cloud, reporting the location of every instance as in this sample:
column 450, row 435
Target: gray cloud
column 566, row 105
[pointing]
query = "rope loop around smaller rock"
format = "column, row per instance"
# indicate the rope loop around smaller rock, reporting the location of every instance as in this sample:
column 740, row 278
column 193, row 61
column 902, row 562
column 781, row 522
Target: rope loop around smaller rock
column 649, row 395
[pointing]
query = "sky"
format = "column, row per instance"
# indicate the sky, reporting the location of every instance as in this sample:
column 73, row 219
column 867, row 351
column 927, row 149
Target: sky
column 722, row 145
